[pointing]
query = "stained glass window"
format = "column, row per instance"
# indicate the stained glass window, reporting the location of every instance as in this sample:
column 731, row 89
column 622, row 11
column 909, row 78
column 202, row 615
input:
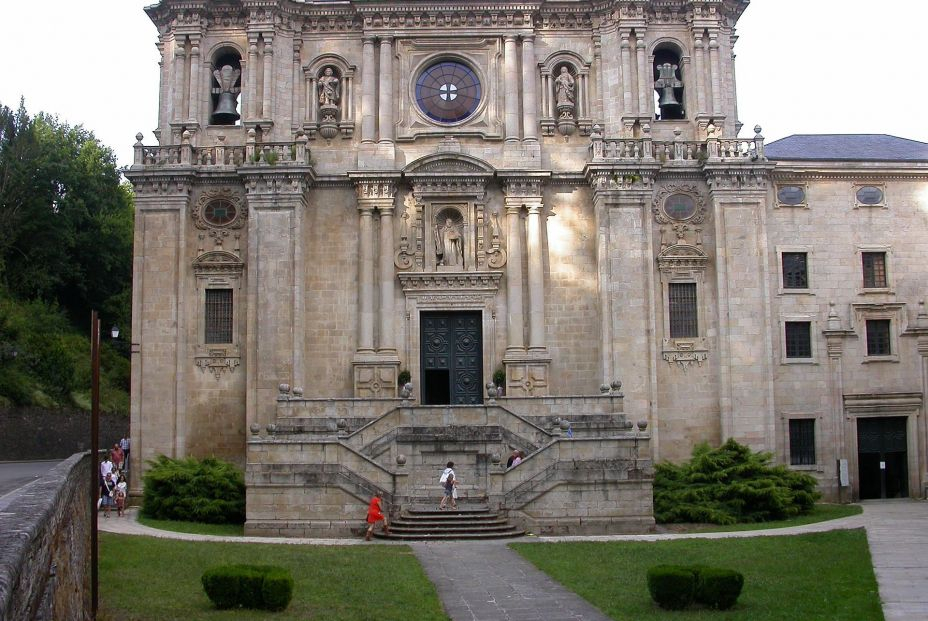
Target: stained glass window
column 448, row 92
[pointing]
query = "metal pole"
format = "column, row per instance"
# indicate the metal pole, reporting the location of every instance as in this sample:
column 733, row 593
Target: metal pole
column 94, row 456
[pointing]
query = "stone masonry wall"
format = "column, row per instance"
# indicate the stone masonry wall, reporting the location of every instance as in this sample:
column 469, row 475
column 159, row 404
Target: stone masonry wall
column 45, row 548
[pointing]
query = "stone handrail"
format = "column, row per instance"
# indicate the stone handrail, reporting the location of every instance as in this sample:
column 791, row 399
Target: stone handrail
column 677, row 150
column 253, row 153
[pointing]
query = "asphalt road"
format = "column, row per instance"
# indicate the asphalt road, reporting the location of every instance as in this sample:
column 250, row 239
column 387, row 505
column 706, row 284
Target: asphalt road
column 15, row 474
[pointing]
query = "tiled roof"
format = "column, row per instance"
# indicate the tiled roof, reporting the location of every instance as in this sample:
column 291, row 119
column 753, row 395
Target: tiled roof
column 856, row 147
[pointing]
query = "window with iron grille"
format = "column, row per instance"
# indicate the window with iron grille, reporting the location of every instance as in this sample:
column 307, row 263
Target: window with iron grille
column 218, row 315
column 682, row 305
column 795, row 270
column 874, row 264
column 878, row 343
column 802, row 441
column 798, row 339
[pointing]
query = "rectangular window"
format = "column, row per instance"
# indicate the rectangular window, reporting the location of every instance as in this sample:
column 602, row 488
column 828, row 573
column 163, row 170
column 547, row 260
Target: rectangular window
column 795, row 270
column 878, row 343
column 682, row 304
column 874, row 264
column 798, row 339
column 218, row 315
column 802, row 441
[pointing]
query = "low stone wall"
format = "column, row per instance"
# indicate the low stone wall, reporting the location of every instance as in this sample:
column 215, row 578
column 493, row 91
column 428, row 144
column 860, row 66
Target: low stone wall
column 45, row 546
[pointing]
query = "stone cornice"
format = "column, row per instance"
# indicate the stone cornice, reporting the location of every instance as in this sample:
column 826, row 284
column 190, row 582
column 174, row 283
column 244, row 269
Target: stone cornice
column 446, row 282
column 788, row 170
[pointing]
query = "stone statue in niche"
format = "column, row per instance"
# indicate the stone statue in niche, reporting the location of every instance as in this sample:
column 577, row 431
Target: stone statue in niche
column 329, row 95
column 449, row 240
column 328, row 88
column 564, row 89
column 565, row 99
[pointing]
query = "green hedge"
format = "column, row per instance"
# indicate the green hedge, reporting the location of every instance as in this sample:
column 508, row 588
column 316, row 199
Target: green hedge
column 191, row 490
column 674, row 587
column 729, row 485
column 262, row 587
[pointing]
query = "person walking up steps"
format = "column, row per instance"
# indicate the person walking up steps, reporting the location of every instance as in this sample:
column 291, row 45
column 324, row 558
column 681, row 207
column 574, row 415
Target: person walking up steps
column 447, row 482
column 374, row 515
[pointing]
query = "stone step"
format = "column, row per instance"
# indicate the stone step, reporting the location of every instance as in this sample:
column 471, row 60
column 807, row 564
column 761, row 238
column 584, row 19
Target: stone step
column 420, row 522
column 433, row 536
column 464, row 529
column 424, row 523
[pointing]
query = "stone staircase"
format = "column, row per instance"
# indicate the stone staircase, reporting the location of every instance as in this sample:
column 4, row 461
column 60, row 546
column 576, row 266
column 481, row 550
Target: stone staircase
column 421, row 524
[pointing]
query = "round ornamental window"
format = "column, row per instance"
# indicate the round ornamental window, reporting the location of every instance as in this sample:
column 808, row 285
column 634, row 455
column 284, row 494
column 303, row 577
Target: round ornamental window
column 448, row 91
column 679, row 206
column 219, row 213
column 870, row 195
column 791, row 195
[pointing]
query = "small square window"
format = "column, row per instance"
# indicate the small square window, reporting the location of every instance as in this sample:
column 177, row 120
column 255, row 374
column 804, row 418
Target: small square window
column 795, row 270
column 798, row 339
column 874, row 269
column 878, row 338
column 682, row 306
column 218, row 316
column 802, row 441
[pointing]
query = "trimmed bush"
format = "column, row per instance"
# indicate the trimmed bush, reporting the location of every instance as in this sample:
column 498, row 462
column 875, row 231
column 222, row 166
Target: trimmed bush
column 673, row 587
column 262, row 587
column 718, row 588
column 210, row 491
column 729, row 485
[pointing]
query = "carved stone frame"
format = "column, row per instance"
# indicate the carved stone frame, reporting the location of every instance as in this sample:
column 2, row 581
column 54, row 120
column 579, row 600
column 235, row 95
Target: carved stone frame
column 218, row 269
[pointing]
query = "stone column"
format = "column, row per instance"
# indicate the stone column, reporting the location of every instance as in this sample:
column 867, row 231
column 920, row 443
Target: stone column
column 700, row 69
column 515, row 336
column 193, row 107
column 368, row 120
column 267, row 111
column 180, row 61
column 295, row 116
column 716, row 74
column 512, row 92
column 627, row 84
column 386, row 90
column 536, row 277
column 835, row 334
column 366, row 278
column 529, row 94
column 387, row 316
column 645, row 98
column 251, row 102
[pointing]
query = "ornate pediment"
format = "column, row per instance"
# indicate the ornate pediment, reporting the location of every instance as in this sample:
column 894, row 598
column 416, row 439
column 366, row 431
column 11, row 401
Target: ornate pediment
column 446, row 163
column 218, row 262
column 682, row 257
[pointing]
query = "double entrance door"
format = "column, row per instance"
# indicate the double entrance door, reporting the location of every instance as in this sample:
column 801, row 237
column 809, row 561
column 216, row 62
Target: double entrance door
column 882, row 457
column 452, row 358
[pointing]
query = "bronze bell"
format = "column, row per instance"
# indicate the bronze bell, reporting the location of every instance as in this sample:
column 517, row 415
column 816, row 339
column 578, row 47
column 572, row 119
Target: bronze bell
column 225, row 113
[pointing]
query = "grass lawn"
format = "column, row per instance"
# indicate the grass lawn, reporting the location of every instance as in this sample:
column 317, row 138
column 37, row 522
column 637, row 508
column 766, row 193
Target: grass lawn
column 147, row 579
column 820, row 576
column 197, row 528
column 821, row 513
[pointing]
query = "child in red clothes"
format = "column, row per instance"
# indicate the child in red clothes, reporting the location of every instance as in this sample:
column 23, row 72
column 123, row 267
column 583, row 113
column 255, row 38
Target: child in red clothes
column 374, row 515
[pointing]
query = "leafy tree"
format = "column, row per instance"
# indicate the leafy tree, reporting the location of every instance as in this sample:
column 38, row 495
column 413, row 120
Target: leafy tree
column 729, row 485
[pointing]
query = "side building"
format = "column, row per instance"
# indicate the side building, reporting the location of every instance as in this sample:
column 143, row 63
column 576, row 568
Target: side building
column 378, row 236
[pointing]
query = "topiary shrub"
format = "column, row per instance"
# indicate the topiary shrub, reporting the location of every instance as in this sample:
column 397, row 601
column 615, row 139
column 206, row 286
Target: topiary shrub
column 718, row 588
column 729, row 485
column 261, row 587
column 673, row 587
column 210, row 491
column 277, row 589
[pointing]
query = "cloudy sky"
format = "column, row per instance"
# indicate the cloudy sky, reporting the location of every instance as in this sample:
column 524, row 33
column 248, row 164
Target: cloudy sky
column 804, row 66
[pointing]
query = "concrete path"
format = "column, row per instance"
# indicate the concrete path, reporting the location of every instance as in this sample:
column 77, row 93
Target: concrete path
column 488, row 581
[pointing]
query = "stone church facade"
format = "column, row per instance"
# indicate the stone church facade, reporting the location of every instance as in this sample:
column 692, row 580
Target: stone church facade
column 359, row 215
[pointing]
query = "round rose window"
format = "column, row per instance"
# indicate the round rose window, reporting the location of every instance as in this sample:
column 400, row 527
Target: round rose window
column 448, row 91
column 679, row 206
column 219, row 213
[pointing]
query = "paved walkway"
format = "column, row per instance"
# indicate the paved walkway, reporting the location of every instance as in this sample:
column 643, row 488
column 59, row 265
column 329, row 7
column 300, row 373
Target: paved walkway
column 479, row 581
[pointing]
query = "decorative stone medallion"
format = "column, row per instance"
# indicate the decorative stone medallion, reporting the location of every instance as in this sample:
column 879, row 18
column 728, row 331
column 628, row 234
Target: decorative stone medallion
column 679, row 203
column 219, row 208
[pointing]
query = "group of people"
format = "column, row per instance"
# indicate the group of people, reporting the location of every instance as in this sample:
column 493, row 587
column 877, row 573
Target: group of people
column 114, row 485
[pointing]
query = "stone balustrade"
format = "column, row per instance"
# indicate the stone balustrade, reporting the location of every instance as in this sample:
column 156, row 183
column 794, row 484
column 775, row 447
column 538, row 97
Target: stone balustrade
column 676, row 151
column 253, row 153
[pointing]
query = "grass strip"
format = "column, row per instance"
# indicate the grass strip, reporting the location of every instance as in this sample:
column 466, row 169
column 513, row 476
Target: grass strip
column 822, row 513
column 196, row 528
column 815, row 576
column 148, row 579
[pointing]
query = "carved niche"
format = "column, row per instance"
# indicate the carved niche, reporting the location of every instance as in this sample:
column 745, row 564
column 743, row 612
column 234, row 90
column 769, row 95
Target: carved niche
column 447, row 225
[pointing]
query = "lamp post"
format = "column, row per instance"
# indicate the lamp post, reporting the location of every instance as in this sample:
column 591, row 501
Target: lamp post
column 94, row 455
